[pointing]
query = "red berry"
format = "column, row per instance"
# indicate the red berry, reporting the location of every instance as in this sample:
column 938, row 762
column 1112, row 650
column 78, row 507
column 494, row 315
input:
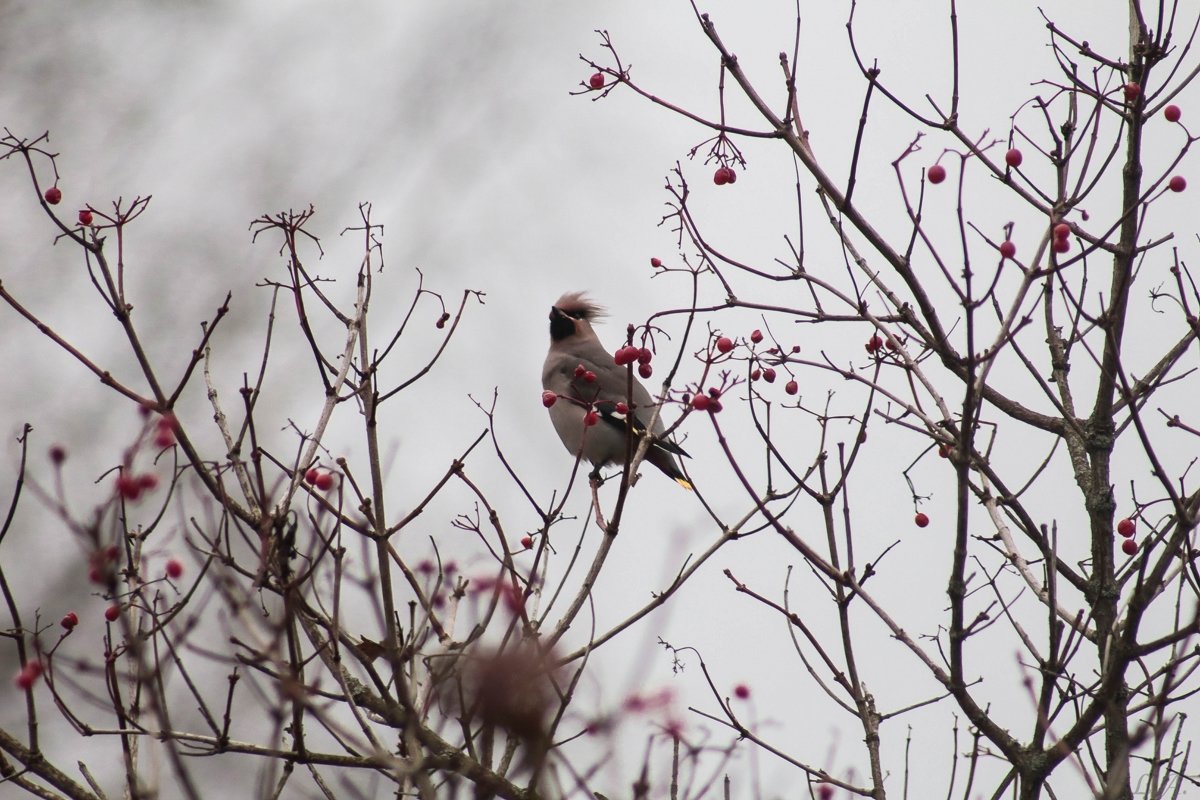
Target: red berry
column 714, row 406
column 580, row 370
column 1062, row 230
column 824, row 791
column 1132, row 90
column 1171, row 113
column 714, row 392
column 591, row 418
column 69, row 620
column 589, row 377
column 724, row 344
column 795, row 348
column 1062, row 245
column 944, row 450
column 656, row 262
column 791, row 387
column 741, row 691
column 442, row 320
column 310, row 477
column 596, row 81
column 1013, row 157
column 922, row 519
column 756, row 337
column 756, row 374
column 1129, row 547
column 1007, row 249
column 874, row 344
column 548, row 399
column 129, row 487
column 1126, row 527
column 769, row 375
column 621, row 357
column 112, row 612
column 85, row 217
column 730, row 175
column 58, row 453
column 719, row 177
column 324, row 480
column 645, row 370
column 644, row 356
column 701, row 402
column 28, row 675
column 527, row 542
column 53, row 195
column 1177, row 184
column 148, row 482
column 174, row 568
column 936, row 173
column 891, row 344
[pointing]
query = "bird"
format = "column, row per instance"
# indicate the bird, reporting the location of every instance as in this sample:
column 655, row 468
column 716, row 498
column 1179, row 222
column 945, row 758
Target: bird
column 581, row 378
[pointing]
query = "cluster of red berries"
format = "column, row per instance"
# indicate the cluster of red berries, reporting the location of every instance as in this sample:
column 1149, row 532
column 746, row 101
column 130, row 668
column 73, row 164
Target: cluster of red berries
column 319, row 478
column 710, row 402
column 28, row 675
column 102, row 563
column 1127, row 528
column 164, row 430
column 630, row 354
column 724, row 175
column 130, row 487
column 1062, row 237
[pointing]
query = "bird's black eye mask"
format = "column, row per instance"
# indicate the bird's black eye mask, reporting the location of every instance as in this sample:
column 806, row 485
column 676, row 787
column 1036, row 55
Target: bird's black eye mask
column 562, row 323
column 577, row 314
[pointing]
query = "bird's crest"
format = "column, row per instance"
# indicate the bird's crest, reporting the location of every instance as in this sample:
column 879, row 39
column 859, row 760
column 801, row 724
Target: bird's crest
column 580, row 306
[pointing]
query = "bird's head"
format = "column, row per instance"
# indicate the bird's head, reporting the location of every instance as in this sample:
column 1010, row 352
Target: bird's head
column 572, row 315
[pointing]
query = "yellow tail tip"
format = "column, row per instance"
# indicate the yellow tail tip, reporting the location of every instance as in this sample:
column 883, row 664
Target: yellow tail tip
column 685, row 483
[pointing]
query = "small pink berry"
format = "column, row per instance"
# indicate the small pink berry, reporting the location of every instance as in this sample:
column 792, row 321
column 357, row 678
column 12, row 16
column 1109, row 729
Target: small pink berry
column 112, row 612
column 724, row 344
column 730, row 175
column 1177, row 184
column 148, row 482
column 769, row 375
column 1062, row 245
column 644, row 356
column 656, row 262
column 1013, row 157
column 324, row 480
column 1007, row 249
column 921, row 519
column 589, row 376
column 1126, row 527
column 1129, row 547
column 824, row 791
column 621, row 357
column 527, row 542
column 645, row 370
column 1170, row 113
column 1062, row 230
column 174, row 568
column 310, row 477
column 701, row 402
column 757, row 336
column 580, row 370
column 28, row 675
column 936, row 173
column 69, row 620
column 549, row 399
column 53, row 195
column 85, row 217
column 741, row 691
column 1132, row 90
column 755, row 374
column 591, row 418
column 874, row 344
column 58, row 454
column 791, row 387
column 596, row 81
